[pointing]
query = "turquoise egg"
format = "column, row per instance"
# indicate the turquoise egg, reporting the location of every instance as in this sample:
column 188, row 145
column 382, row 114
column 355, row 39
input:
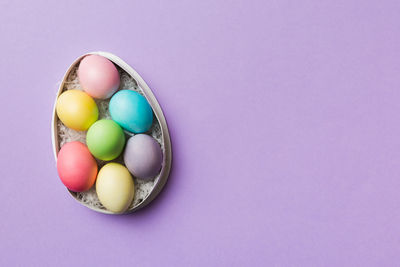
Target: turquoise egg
column 131, row 111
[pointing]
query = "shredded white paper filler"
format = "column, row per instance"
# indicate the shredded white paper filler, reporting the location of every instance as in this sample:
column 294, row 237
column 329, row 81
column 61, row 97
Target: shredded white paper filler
column 142, row 187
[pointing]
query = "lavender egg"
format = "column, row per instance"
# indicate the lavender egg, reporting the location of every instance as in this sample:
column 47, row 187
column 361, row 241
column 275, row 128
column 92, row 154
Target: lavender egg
column 143, row 156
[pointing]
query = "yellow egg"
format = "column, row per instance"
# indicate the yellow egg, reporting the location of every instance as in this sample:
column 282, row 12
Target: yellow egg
column 114, row 187
column 77, row 110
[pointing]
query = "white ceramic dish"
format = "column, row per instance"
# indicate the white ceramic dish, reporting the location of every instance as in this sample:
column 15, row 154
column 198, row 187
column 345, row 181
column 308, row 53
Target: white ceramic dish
column 159, row 131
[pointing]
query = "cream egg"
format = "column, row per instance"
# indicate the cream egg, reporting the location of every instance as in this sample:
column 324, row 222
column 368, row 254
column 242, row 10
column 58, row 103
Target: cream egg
column 115, row 187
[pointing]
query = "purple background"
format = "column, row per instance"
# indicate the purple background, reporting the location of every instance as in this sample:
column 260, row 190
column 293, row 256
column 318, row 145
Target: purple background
column 285, row 123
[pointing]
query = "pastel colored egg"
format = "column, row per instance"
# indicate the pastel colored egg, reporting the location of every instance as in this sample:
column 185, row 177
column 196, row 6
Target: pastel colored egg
column 76, row 167
column 131, row 110
column 115, row 187
column 143, row 156
column 105, row 139
column 98, row 76
column 77, row 110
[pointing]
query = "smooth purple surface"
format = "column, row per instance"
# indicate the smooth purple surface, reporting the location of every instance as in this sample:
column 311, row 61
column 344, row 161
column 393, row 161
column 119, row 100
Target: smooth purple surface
column 285, row 125
column 143, row 156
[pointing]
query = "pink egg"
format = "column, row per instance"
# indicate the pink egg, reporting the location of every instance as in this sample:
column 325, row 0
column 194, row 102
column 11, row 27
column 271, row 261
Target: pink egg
column 76, row 167
column 98, row 76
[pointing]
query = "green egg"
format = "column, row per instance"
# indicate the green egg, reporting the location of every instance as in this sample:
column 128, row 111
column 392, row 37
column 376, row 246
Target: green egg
column 105, row 139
